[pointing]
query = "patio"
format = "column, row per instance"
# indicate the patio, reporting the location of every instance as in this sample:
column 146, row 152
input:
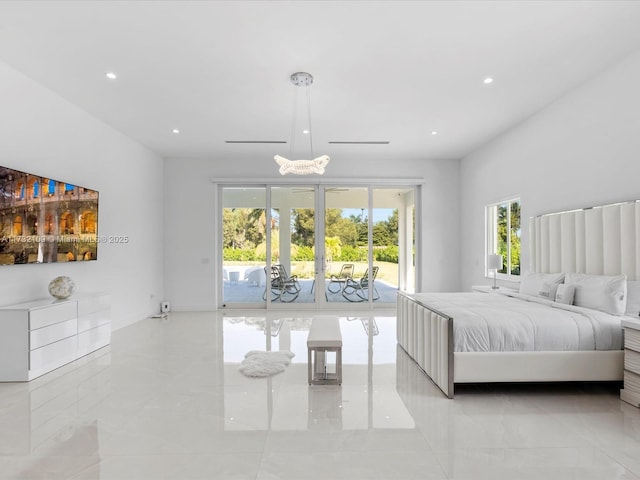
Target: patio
column 245, row 291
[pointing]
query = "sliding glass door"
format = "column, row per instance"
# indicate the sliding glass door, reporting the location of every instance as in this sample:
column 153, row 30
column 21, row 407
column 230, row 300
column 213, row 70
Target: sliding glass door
column 393, row 237
column 369, row 241
column 269, row 254
column 244, row 245
column 277, row 250
column 346, row 243
column 294, row 259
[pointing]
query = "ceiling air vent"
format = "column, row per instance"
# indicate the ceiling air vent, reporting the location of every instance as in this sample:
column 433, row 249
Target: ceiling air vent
column 381, row 142
column 255, row 141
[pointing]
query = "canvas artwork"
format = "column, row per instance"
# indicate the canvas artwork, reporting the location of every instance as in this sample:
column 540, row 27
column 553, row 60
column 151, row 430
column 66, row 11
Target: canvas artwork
column 44, row 220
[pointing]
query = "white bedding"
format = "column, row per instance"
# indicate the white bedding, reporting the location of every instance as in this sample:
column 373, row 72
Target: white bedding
column 515, row 322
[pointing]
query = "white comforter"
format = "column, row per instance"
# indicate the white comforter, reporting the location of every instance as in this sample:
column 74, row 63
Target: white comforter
column 515, row 322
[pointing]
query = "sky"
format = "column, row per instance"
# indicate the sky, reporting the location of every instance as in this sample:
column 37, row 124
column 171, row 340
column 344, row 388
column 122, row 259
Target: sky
column 379, row 214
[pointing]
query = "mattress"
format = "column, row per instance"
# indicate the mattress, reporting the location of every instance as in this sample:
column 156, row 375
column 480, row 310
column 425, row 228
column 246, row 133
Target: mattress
column 512, row 322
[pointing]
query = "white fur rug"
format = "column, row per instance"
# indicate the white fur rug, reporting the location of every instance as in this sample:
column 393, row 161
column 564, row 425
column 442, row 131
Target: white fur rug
column 257, row 363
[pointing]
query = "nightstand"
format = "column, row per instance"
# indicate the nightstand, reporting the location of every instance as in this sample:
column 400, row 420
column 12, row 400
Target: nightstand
column 631, row 389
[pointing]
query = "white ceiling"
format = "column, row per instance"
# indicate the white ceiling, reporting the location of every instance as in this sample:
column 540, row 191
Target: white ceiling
column 384, row 71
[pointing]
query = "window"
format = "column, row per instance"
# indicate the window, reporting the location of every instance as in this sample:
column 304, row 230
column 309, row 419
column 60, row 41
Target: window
column 503, row 234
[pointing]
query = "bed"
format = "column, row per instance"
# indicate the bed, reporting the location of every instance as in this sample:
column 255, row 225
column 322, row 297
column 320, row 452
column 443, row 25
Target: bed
column 523, row 336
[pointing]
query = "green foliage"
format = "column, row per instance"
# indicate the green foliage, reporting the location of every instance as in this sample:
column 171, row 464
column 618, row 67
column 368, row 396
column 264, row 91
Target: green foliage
column 244, row 232
column 230, row 254
column 386, row 254
column 513, row 235
column 515, row 238
column 361, row 225
column 332, row 247
column 255, row 229
column 241, row 227
column 351, row 254
column 304, row 253
column 303, row 232
column 357, row 254
column 393, row 226
column 381, row 235
column 343, row 228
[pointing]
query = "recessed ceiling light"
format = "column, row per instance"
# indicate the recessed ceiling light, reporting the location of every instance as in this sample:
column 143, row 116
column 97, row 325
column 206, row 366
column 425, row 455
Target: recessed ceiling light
column 111, row 75
column 175, row 130
column 434, row 133
column 488, row 80
column 306, row 132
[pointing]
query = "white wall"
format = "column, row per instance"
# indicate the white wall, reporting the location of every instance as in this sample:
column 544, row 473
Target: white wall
column 190, row 279
column 45, row 135
column 580, row 151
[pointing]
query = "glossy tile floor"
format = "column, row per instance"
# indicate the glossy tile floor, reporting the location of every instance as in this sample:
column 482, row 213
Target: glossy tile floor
column 166, row 401
column 245, row 292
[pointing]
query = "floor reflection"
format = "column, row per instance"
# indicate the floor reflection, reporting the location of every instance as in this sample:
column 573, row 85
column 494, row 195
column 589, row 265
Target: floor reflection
column 362, row 402
column 166, row 401
column 325, row 407
column 43, row 419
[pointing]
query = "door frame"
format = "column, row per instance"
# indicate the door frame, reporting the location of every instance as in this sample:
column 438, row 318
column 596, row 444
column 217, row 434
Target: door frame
column 319, row 185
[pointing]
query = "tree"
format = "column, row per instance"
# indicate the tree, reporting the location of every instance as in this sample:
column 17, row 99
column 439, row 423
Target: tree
column 344, row 229
column 393, row 227
column 256, row 225
column 513, row 236
column 233, row 227
column 381, row 235
column 303, row 232
column 362, row 228
column 261, row 249
column 332, row 248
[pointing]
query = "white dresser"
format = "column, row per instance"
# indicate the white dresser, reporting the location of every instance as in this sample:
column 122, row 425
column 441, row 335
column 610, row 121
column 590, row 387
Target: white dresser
column 39, row 336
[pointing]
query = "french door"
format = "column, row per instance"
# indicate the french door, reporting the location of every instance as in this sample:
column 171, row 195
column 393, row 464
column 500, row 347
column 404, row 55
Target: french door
column 311, row 246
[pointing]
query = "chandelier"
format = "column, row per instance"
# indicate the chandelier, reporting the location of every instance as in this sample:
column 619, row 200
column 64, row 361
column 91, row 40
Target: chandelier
column 302, row 167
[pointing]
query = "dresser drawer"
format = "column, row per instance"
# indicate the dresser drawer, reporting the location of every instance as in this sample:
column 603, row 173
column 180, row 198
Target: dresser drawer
column 42, row 317
column 632, row 339
column 632, row 361
column 94, row 339
column 93, row 320
column 53, row 355
column 52, row 333
column 89, row 305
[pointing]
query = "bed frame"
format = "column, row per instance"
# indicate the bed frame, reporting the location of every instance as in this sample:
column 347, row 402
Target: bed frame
column 599, row 240
column 427, row 336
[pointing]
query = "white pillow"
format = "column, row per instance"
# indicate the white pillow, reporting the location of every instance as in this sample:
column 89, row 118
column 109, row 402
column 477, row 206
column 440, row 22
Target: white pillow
column 599, row 292
column 565, row 293
column 633, row 298
column 548, row 291
column 533, row 283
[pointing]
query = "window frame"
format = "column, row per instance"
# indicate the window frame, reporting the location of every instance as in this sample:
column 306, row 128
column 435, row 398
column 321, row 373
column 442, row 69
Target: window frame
column 491, row 237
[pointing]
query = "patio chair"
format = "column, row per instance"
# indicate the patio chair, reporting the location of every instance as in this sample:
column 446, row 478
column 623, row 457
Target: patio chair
column 283, row 287
column 274, row 326
column 339, row 281
column 366, row 323
column 358, row 290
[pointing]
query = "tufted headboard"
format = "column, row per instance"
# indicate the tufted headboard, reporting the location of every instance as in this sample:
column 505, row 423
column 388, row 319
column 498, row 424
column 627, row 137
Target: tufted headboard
column 601, row 240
